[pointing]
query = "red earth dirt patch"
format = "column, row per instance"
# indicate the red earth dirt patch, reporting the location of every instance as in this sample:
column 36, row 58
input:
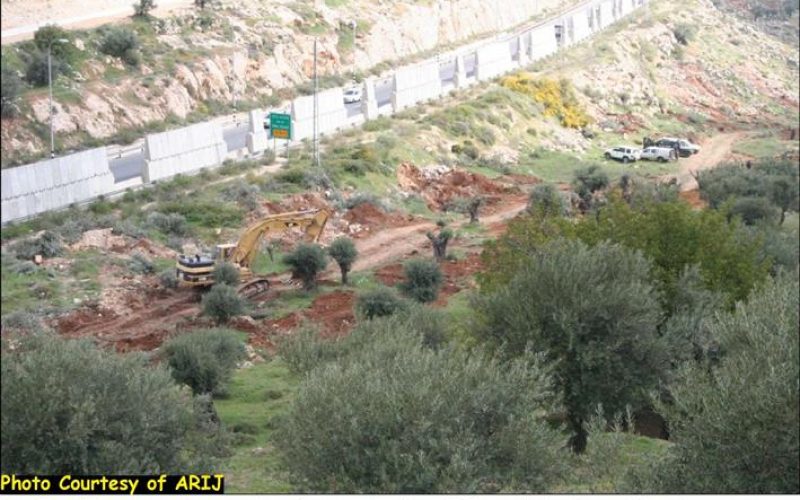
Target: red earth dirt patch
column 693, row 198
column 143, row 327
column 332, row 311
column 439, row 186
column 374, row 218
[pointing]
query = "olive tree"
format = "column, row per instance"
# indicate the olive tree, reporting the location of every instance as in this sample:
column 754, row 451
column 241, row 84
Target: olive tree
column 400, row 417
column 733, row 421
column 205, row 359
column 306, row 261
column 423, row 279
column 594, row 312
column 68, row 407
column 344, row 252
column 222, row 303
column 226, row 273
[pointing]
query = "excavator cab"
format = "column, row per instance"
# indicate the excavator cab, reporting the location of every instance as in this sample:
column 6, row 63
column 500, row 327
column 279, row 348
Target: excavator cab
column 224, row 252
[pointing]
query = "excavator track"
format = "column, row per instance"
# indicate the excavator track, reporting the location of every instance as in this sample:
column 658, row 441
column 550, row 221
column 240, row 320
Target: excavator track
column 253, row 288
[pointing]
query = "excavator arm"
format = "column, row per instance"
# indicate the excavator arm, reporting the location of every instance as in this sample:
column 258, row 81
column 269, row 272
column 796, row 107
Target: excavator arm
column 311, row 221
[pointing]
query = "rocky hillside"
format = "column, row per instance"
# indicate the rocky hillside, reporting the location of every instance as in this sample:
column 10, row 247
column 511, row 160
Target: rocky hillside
column 684, row 65
column 197, row 63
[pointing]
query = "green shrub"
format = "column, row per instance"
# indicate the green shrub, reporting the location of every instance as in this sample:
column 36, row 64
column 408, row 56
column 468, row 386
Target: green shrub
column 378, row 302
column 292, row 175
column 752, row 209
column 547, row 200
column 304, row 350
column 222, row 303
column 48, row 36
column 46, row 245
column 401, row 418
column 70, row 408
column 685, row 33
column 36, row 70
column 206, row 214
column 226, row 274
column 359, row 198
column 485, row 135
column 142, row 8
column 423, row 279
column 10, row 90
column 589, row 180
column 121, row 42
column 140, row 264
column 168, row 279
column 22, row 320
column 168, row 223
column 344, row 252
column 246, row 195
column 128, row 227
column 306, row 261
column 205, row 359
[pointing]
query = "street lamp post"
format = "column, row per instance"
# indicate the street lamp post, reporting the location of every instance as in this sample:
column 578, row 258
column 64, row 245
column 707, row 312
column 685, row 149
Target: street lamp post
column 50, row 86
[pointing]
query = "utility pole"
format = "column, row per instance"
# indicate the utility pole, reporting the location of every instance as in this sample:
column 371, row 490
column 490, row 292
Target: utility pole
column 355, row 25
column 50, row 87
column 316, row 107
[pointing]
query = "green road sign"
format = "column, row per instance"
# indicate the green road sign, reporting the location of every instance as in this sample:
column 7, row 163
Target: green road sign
column 280, row 125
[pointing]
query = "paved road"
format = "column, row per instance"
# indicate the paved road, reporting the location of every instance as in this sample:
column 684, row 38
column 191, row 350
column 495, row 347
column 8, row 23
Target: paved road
column 131, row 165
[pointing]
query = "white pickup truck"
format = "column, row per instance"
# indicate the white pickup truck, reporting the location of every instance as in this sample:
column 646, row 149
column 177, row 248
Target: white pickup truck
column 623, row 153
column 655, row 153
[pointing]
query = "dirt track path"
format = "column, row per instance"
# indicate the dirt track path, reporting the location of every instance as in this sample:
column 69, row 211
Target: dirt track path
column 391, row 244
column 713, row 152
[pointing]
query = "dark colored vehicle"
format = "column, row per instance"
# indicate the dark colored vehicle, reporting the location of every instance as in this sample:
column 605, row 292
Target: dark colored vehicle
column 684, row 147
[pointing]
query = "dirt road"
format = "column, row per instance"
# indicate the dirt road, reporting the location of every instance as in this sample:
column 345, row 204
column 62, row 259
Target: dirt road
column 714, row 151
column 22, row 18
column 401, row 242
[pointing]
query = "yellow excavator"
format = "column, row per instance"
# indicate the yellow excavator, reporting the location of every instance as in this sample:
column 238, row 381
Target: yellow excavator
column 198, row 271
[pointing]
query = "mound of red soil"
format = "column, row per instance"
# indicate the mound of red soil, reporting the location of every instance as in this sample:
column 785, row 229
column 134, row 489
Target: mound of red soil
column 332, row 311
column 440, row 185
column 144, row 326
column 373, row 218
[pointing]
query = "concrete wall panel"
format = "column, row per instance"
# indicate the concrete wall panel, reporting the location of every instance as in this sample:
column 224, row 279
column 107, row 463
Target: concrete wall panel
column 332, row 115
column 493, row 60
column 416, row 84
column 606, row 13
column 543, row 41
column 52, row 184
column 581, row 21
column 184, row 150
column 369, row 102
column 257, row 138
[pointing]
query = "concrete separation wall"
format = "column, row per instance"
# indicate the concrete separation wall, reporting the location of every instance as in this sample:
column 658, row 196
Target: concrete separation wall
column 582, row 19
column 332, row 114
column 369, row 103
column 493, row 60
column 52, row 184
column 416, row 84
column 257, row 139
column 543, row 41
column 183, row 150
column 606, row 13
